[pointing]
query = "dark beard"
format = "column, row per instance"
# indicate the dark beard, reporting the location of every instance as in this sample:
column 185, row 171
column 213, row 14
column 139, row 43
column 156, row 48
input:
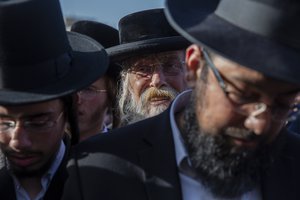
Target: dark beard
column 227, row 171
column 25, row 173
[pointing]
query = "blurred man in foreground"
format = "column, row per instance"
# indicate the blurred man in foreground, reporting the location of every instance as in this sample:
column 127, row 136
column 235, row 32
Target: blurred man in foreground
column 224, row 139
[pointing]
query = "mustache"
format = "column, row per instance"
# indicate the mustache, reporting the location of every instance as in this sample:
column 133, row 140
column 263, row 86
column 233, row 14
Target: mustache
column 164, row 92
column 24, row 153
column 241, row 133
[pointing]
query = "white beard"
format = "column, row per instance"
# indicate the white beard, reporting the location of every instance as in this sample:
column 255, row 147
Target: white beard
column 138, row 110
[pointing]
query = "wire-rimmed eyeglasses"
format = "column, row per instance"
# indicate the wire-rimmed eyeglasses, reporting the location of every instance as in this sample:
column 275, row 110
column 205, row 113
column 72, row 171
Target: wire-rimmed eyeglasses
column 278, row 113
column 146, row 71
column 89, row 92
column 7, row 125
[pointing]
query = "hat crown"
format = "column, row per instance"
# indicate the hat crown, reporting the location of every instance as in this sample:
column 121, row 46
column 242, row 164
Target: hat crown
column 102, row 33
column 275, row 19
column 38, row 60
column 35, row 34
column 262, row 35
column 145, row 25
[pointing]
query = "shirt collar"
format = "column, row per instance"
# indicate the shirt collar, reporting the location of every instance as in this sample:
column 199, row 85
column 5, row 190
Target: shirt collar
column 56, row 162
column 178, row 105
column 47, row 177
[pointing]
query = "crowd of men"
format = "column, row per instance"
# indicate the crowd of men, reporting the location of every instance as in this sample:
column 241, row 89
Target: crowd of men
column 196, row 100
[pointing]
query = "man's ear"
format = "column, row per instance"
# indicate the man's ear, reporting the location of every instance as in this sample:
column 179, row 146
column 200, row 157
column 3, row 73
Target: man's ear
column 194, row 64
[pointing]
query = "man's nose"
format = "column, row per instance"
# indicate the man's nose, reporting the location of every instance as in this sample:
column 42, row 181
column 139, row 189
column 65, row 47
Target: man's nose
column 158, row 78
column 78, row 98
column 258, row 124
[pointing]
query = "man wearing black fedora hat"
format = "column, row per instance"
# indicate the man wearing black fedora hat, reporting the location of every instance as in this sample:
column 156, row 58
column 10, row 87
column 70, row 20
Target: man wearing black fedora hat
column 226, row 137
column 40, row 67
column 98, row 99
column 151, row 53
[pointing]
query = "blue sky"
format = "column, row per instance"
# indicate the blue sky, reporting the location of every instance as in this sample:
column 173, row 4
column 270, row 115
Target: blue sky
column 106, row 11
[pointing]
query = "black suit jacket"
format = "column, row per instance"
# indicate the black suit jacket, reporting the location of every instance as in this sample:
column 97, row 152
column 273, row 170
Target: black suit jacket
column 137, row 162
column 55, row 190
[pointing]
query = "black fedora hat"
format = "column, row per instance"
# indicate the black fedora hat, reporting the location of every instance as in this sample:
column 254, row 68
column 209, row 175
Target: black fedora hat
column 38, row 61
column 262, row 35
column 102, row 33
column 145, row 32
column 106, row 35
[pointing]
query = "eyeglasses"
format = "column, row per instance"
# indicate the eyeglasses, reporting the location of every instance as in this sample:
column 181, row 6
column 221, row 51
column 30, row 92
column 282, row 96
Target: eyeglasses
column 243, row 104
column 147, row 70
column 8, row 125
column 90, row 93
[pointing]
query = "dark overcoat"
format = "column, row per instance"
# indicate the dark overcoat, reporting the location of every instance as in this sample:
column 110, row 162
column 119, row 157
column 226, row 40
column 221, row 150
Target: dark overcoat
column 137, row 162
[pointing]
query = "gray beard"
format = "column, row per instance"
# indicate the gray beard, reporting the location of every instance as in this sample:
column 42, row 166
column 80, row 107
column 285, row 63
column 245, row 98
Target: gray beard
column 137, row 111
column 223, row 169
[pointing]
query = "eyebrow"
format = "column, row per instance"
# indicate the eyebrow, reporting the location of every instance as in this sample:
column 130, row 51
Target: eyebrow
column 27, row 116
column 292, row 92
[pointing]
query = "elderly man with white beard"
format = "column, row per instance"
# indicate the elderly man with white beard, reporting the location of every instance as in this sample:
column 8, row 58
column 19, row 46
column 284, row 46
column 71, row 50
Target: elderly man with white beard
column 152, row 57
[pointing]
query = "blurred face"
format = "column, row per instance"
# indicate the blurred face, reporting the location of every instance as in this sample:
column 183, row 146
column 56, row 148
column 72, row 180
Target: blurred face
column 92, row 105
column 150, row 83
column 230, row 137
column 30, row 136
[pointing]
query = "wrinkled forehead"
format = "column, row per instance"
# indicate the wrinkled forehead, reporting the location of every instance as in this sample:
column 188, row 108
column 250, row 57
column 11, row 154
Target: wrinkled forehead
column 162, row 57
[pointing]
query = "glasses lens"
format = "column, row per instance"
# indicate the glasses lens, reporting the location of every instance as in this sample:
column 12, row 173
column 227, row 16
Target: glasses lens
column 6, row 125
column 146, row 71
column 294, row 113
column 38, row 125
column 279, row 114
column 172, row 69
column 87, row 93
column 143, row 70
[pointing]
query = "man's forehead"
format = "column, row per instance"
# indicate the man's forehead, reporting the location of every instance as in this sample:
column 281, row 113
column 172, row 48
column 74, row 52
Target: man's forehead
column 46, row 106
column 162, row 56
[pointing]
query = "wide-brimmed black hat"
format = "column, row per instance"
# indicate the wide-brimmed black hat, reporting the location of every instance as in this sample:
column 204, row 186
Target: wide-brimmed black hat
column 106, row 35
column 38, row 61
column 145, row 32
column 262, row 35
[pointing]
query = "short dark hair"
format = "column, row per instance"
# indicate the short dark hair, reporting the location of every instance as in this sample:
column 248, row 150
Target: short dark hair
column 70, row 111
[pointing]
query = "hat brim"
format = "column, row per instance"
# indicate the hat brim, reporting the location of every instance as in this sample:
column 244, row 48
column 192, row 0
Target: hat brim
column 89, row 62
column 123, row 51
column 241, row 46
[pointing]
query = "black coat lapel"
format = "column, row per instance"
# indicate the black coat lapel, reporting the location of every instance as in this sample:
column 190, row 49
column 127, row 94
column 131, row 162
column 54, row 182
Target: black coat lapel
column 278, row 182
column 56, row 186
column 282, row 180
column 158, row 160
column 7, row 189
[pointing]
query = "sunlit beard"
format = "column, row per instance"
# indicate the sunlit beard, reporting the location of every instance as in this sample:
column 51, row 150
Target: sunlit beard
column 139, row 110
column 227, row 171
column 145, row 108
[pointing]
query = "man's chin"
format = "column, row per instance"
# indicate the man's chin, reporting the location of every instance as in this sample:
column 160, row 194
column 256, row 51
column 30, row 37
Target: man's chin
column 22, row 172
column 34, row 170
column 155, row 110
column 160, row 102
